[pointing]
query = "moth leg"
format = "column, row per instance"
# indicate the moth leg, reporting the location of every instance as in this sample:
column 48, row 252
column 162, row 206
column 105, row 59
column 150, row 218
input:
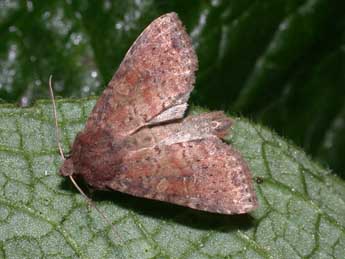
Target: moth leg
column 68, row 154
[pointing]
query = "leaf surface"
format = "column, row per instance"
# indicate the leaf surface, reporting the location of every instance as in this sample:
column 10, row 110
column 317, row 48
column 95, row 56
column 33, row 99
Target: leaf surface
column 301, row 211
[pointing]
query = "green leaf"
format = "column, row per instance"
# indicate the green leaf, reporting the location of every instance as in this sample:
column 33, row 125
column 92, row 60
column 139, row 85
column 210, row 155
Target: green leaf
column 301, row 211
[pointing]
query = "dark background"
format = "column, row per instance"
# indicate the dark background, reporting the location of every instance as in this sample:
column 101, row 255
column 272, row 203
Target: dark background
column 280, row 63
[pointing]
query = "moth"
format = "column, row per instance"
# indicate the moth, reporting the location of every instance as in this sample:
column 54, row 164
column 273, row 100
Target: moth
column 137, row 140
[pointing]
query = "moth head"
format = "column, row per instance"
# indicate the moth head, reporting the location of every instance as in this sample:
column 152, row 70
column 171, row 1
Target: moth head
column 67, row 168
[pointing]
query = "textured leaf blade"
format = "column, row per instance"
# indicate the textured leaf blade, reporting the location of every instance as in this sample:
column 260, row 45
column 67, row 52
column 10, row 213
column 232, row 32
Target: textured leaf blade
column 301, row 204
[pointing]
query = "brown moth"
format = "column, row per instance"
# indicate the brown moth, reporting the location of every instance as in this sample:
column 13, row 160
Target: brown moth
column 137, row 140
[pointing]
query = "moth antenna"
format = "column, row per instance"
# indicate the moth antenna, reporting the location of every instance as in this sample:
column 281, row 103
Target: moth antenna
column 58, row 140
column 93, row 205
column 57, row 129
column 90, row 202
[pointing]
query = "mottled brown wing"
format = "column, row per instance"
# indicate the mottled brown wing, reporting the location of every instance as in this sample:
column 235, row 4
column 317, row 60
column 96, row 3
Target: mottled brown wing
column 204, row 174
column 153, row 82
column 187, row 164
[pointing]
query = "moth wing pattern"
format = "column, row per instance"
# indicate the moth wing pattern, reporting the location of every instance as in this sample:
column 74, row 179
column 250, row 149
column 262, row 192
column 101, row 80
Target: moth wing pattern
column 203, row 173
column 127, row 145
column 153, row 82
